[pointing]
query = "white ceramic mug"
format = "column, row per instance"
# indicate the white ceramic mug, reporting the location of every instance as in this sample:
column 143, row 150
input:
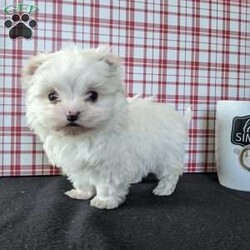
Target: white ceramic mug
column 233, row 144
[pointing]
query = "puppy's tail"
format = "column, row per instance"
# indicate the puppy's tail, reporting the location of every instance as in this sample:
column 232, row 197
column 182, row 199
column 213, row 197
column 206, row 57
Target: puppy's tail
column 188, row 115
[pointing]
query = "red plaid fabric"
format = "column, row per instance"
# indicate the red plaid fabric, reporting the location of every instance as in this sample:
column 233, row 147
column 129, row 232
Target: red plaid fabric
column 183, row 52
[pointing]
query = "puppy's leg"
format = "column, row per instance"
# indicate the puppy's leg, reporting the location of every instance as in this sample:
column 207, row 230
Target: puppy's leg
column 109, row 196
column 82, row 192
column 167, row 181
column 166, row 185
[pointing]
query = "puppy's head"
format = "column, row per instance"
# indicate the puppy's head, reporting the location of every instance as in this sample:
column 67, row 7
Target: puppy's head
column 72, row 91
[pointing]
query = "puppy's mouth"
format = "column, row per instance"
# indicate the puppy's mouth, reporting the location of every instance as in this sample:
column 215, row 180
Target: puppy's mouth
column 75, row 128
column 72, row 124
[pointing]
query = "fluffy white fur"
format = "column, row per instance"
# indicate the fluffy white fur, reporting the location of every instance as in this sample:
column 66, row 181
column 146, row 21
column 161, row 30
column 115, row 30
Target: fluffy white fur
column 115, row 142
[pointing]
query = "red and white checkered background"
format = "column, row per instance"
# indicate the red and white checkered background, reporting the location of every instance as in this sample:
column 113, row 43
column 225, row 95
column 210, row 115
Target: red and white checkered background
column 182, row 51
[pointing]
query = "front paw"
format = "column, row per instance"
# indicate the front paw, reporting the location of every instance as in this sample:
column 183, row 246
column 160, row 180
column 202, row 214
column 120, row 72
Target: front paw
column 80, row 195
column 110, row 203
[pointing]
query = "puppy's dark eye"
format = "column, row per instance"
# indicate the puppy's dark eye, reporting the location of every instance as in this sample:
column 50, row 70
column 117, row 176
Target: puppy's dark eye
column 92, row 96
column 53, row 97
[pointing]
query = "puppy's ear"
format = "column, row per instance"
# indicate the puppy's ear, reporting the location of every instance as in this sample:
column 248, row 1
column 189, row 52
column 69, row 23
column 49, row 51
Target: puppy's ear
column 29, row 70
column 106, row 55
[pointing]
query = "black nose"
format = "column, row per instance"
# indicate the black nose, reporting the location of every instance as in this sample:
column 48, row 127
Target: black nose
column 72, row 117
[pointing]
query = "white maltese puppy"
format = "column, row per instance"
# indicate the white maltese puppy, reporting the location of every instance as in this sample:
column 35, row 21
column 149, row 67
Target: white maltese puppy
column 77, row 106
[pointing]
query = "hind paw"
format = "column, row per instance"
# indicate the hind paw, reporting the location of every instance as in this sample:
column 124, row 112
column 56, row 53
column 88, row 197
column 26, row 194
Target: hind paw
column 80, row 195
column 164, row 189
